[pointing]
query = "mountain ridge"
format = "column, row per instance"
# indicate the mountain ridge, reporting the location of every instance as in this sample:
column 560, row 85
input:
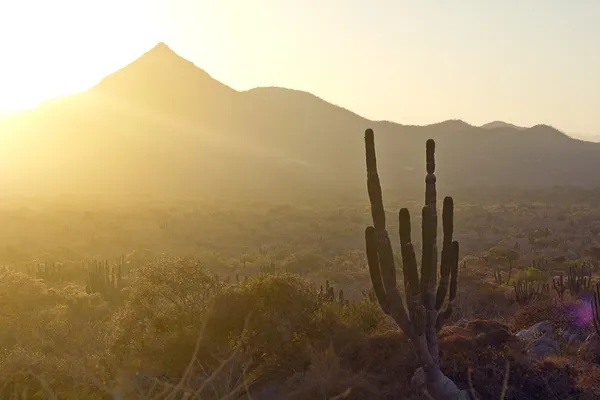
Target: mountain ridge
column 166, row 123
column 502, row 124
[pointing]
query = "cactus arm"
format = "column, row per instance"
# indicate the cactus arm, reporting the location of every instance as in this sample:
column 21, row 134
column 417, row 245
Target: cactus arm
column 448, row 257
column 387, row 267
column 374, row 272
column 445, row 315
column 409, row 263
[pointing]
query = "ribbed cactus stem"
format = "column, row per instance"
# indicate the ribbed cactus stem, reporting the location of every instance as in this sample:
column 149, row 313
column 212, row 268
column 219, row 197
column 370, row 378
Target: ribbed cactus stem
column 424, row 303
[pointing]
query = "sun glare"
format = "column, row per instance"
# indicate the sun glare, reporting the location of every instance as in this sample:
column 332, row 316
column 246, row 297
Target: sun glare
column 51, row 48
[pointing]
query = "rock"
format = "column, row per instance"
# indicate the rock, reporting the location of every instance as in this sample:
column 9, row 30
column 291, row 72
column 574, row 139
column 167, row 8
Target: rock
column 542, row 347
column 524, row 334
column 576, row 337
column 543, row 328
column 540, row 338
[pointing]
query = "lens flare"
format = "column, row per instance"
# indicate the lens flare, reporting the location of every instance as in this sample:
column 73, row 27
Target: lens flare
column 581, row 312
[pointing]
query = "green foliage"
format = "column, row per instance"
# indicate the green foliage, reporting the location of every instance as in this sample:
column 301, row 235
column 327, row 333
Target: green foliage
column 273, row 320
column 366, row 316
column 532, row 275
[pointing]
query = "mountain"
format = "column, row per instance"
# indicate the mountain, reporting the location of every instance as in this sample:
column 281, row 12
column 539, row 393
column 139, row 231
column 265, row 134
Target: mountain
column 587, row 138
column 163, row 125
column 501, row 124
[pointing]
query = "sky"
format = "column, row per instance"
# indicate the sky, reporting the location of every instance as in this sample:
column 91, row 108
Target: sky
column 414, row 62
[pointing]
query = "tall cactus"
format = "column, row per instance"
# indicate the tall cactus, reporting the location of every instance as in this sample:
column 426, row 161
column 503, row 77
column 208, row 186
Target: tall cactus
column 426, row 314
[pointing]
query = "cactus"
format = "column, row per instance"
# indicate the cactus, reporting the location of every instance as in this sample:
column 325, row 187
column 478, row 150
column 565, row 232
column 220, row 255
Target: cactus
column 104, row 279
column 579, row 279
column 267, row 269
column 369, row 295
column 559, row 286
column 540, row 263
column 330, row 296
column 526, row 292
column 327, row 294
column 425, row 314
column 498, row 276
column 49, row 271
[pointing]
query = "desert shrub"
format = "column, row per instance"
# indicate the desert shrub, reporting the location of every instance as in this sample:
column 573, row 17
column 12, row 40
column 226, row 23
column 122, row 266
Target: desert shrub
column 47, row 335
column 542, row 310
column 366, row 317
column 270, row 317
column 481, row 300
column 481, row 349
column 177, row 312
column 484, row 348
column 479, row 343
column 28, row 374
column 327, row 377
column 160, row 322
column 389, row 362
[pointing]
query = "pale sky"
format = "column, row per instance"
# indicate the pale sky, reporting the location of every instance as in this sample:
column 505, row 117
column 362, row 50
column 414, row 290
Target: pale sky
column 413, row 62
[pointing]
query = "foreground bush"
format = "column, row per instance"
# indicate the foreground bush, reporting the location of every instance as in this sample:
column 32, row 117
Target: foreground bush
column 182, row 331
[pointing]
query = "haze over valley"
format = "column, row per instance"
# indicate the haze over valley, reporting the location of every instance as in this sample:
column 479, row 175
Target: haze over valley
column 160, row 123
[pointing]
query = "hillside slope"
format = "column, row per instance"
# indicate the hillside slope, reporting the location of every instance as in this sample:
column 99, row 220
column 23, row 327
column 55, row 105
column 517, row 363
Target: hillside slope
column 163, row 125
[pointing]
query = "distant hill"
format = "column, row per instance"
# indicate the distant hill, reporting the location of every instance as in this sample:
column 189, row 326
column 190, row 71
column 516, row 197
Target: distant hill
column 501, row 124
column 163, row 125
column 587, row 138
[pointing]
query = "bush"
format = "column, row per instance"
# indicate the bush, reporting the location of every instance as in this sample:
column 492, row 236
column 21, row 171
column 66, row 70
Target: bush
column 273, row 322
column 542, row 310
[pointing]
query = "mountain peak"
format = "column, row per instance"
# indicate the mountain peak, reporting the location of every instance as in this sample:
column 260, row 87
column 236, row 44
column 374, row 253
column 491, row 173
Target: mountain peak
column 162, row 54
column 161, row 79
column 160, row 65
column 501, row 124
column 163, row 49
column 162, row 45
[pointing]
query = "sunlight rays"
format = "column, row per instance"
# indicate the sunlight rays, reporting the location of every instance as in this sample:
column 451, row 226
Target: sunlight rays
column 54, row 47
